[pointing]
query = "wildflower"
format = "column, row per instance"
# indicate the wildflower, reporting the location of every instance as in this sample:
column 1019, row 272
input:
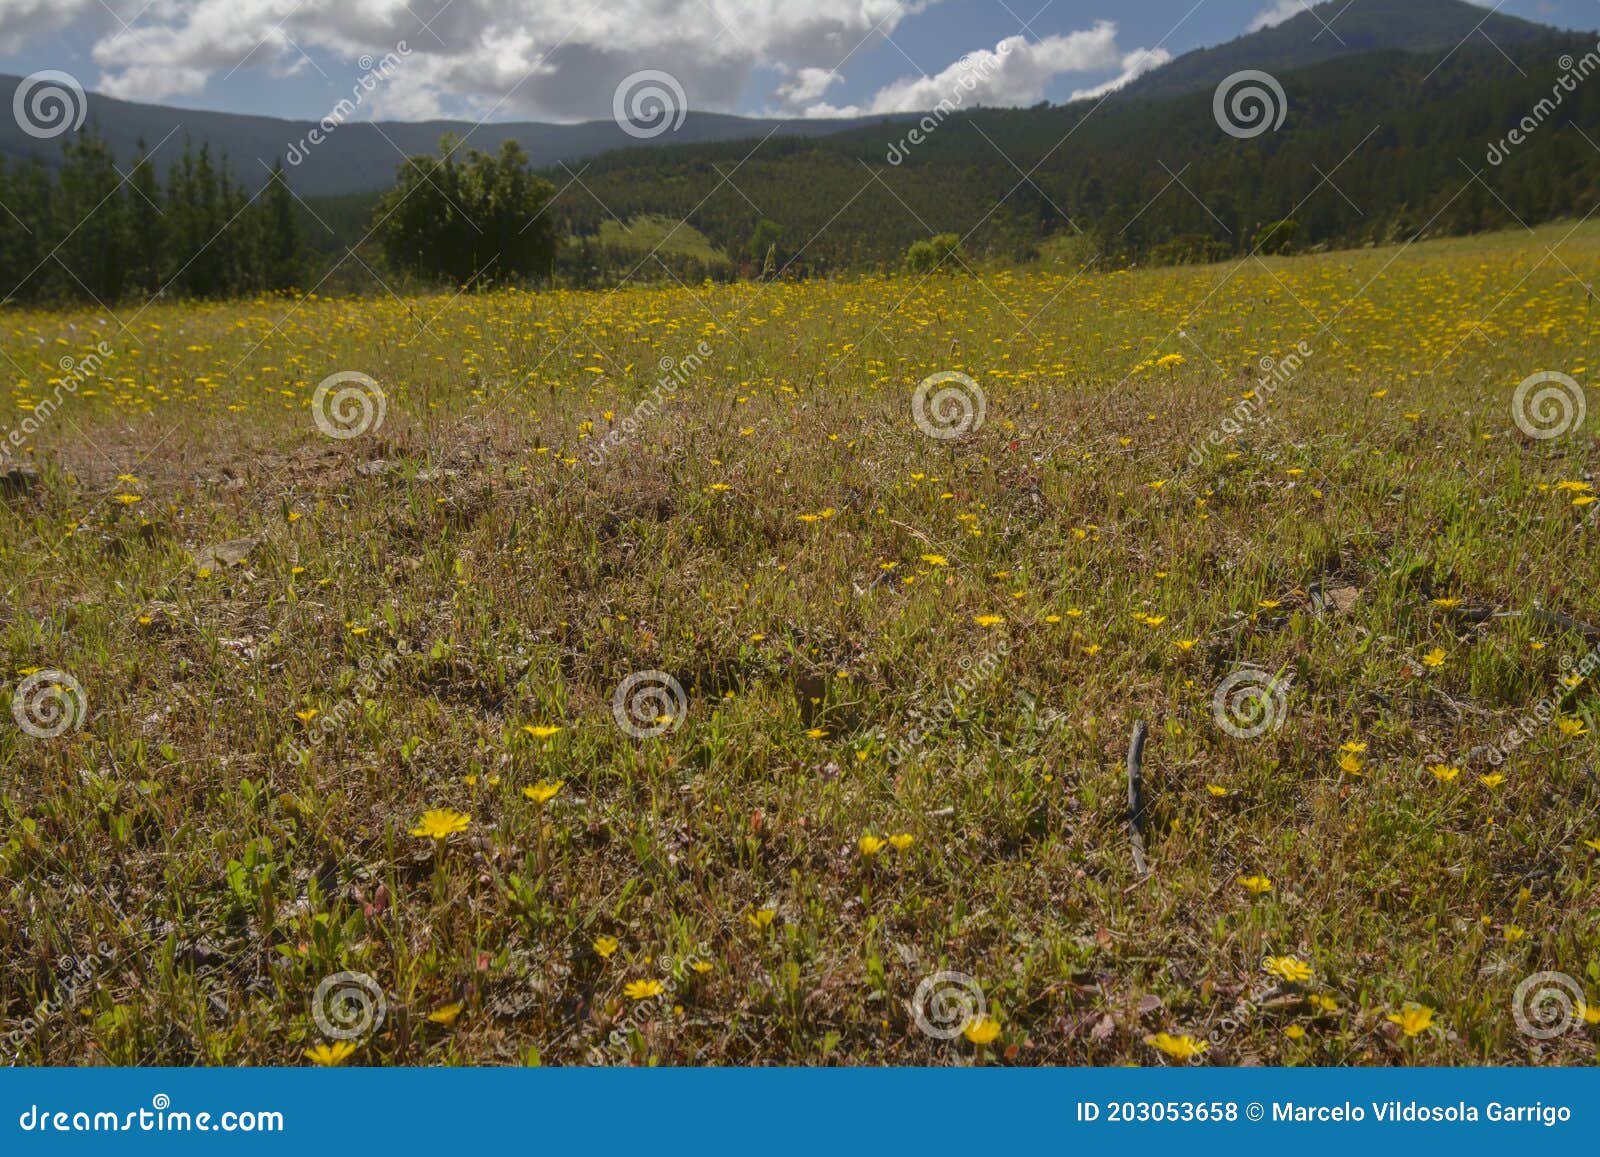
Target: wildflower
column 870, row 844
column 1434, row 658
column 761, row 917
column 1413, row 1018
column 902, row 841
column 1443, row 772
column 1350, row 764
column 981, row 1030
column 307, row 715
column 438, row 823
column 1571, row 728
column 1492, row 781
column 1289, row 968
column 543, row 731
column 1324, row 1002
column 331, row 1055
column 1513, row 933
column 989, row 620
column 1185, row 645
column 1294, row 1032
column 816, row 733
column 1352, row 747
column 1447, row 604
column 642, row 989
column 604, row 946
column 542, row 792
column 1217, row 790
column 1255, row 885
column 446, row 1014
column 935, row 560
column 1179, row 1048
column 702, row 966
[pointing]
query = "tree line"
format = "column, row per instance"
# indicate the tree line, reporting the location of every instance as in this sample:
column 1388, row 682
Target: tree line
column 88, row 231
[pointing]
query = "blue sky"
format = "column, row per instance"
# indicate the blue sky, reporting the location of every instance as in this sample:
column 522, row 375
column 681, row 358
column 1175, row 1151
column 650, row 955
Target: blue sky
column 566, row 60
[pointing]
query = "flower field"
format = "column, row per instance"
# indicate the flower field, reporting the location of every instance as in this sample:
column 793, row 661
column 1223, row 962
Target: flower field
column 745, row 674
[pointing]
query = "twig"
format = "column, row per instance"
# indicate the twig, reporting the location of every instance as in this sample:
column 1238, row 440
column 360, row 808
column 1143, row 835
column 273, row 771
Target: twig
column 1136, row 795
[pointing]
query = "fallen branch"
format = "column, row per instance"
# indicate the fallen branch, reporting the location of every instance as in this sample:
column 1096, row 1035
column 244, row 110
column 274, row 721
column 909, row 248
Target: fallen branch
column 1136, row 796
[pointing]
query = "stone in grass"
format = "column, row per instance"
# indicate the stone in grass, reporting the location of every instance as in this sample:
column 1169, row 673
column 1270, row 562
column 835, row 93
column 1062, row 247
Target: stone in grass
column 225, row 554
column 18, row 482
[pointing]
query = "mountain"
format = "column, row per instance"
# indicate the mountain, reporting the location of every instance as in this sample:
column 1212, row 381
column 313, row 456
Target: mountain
column 1341, row 28
column 360, row 156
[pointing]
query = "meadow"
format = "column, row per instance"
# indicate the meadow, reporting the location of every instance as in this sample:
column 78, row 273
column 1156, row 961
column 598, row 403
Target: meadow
column 641, row 677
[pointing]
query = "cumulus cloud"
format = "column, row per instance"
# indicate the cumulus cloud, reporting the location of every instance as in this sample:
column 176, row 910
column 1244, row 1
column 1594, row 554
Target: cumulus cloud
column 1015, row 72
column 1134, row 65
column 1275, row 14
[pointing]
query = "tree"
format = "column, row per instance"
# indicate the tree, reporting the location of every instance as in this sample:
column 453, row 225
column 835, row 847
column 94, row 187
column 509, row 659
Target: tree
column 927, row 256
column 468, row 220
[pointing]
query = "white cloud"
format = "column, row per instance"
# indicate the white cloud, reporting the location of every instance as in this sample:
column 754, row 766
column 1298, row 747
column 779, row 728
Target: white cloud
column 1015, row 72
column 553, row 59
column 1134, row 65
column 1275, row 14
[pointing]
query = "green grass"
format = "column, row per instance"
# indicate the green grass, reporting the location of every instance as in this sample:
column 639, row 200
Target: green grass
column 475, row 566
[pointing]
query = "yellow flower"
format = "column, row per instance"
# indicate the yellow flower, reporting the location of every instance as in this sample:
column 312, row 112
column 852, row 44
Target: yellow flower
column 1294, row 1032
column 1350, row 763
column 816, row 733
column 1352, row 747
column 1434, row 658
column 1289, row 968
column 446, row 1015
column 1179, row 1048
column 129, row 499
column 1595, row 844
column 902, row 841
column 1154, row 620
column 307, row 715
column 1324, row 1002
column 542, row 792
column 642, row 989
column 989, row 620
column 1513, row 933
column 1217, row 790
column 441, row 822
column 981, row 1030
column 1412, row 1018
column 544, row 731
column 1186, row 644
column 1447, row 604
column 1570, row 727
column 702, row 966
column 870, row 844
column 762, row 917
column 1492, row 780
column 605, row 946
column 331, row 1055
column 1443, row 772
column 935, row 560
column 1255, row 885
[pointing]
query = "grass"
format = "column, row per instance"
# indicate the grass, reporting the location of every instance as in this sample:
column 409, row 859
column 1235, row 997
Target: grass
column 876, row 633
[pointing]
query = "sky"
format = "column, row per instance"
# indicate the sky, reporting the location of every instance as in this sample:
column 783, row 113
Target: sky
column 567, row 60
